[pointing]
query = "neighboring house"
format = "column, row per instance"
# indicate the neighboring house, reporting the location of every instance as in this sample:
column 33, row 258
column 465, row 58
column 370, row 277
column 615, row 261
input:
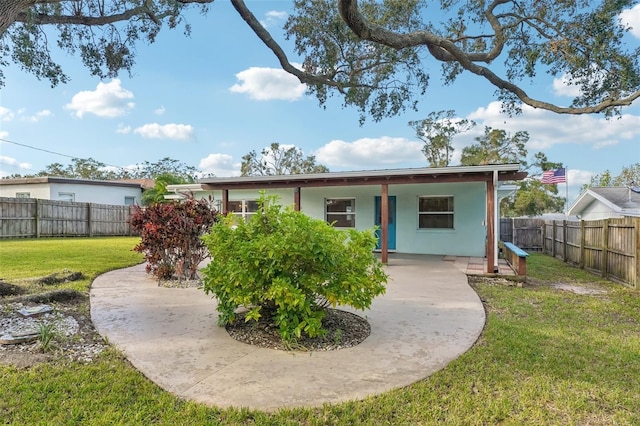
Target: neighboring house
column 606, row 202
column 78, row 190
column 445, row 211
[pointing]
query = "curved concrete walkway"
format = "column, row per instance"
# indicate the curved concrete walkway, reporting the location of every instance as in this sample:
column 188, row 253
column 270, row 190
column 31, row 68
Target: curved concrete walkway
column 428, row 317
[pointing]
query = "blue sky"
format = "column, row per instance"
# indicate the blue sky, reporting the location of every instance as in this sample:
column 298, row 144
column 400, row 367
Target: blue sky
column 208, row 99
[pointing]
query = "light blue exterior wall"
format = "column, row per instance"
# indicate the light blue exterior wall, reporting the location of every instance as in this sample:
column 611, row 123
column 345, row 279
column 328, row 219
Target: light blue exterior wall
column 467, row 238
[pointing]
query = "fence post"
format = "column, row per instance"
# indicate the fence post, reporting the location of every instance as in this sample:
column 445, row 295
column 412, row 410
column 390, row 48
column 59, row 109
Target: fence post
column 636, row 278
column 37, row 217
column 582, row 237
column 553, row 239
column 605, row 248
column 565, row 233
column 90, row 219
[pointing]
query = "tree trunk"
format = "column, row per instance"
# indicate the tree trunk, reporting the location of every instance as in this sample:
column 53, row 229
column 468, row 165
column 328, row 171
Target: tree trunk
column 9, row 10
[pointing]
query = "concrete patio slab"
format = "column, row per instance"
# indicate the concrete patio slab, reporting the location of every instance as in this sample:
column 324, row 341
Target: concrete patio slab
column 428, row 317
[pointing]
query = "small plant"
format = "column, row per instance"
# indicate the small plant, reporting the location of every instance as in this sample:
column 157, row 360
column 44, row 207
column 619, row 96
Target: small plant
column 171, row 236
column 288, row 267
column 46, row 335
column 337, row 337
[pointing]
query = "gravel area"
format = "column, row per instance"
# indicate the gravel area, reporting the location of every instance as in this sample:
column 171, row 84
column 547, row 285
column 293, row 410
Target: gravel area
column 74, row 337
column 344, row 331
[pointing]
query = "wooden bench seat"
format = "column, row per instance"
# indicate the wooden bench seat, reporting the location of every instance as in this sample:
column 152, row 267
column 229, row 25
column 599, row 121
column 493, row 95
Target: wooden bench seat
column 516, row 258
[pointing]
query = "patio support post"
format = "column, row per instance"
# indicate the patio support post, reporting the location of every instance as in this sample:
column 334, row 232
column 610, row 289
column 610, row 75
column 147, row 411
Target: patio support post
column 225, row 201
column 384, row 223
column 296, row 198
column 490, row 221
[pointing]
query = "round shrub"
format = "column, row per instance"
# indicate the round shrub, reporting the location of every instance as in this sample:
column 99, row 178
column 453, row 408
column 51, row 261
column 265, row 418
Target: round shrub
column 290, row 267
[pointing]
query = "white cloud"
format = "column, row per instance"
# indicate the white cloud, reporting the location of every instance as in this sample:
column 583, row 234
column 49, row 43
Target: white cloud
column 371, row 153
column 108, row 100
column 631, row 19
column 273, row 17
column 547, row 129
column 220, row 165
column 4, row 134
column 6, row 114
column 123, row 129
column 12, row 162
column 166, row 131
column 579, row 177
column 264, row 84
column 562, row 87
column 39, row 116
column 159, row 111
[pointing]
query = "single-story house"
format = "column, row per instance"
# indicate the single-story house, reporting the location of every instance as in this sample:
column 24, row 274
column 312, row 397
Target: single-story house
column 78, row 190
column 606, row 202
column 447, row 211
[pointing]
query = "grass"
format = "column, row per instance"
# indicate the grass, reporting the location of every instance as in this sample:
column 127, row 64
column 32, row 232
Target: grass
column 545, row 357
column 24, row 260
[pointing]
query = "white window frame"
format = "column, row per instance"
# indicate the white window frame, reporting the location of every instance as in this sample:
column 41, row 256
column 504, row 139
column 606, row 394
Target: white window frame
column 349, row 213
column 131, row 200
column 23, row 195
column 67, row 196
column 246, row 208
column 426, row 213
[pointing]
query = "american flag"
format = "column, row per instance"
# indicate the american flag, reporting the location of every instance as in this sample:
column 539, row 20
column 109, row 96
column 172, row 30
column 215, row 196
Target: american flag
column 554, row 176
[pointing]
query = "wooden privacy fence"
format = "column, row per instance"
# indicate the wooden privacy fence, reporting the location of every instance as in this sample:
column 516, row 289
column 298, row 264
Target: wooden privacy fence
column 523, row 232
column 34, row 218
column 607, row 247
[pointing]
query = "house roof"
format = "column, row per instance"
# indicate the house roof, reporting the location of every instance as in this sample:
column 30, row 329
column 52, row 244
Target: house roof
column 621, row 200
column 55, row 179
column 505, row 172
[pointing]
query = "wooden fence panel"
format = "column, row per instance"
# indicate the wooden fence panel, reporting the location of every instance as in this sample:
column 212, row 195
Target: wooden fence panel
column 621, row 248
column 523, row 232
column 608, row 247
column 31, row 218
column 110, row 220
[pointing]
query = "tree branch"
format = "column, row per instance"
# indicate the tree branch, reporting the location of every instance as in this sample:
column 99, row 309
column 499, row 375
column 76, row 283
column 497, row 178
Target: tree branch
column 446, row 51
column 266, row 38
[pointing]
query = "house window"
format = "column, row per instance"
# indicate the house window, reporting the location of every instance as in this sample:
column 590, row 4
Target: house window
column 23, row 195
column 129, row 201
column 243, row 208
column 341, row 212
column 66, row 196
column 435, row 212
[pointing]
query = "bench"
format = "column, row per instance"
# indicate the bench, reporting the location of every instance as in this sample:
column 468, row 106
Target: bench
column 516, row 258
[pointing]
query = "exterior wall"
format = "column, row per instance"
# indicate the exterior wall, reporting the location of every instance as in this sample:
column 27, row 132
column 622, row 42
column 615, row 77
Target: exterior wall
column 285, row 196
column 36, row 190
column 467, row 238
column 596, row 211
column 99, row 194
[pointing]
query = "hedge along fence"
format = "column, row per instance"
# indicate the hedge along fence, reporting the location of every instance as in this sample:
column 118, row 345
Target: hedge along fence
column 35, row 218
column 608, row 247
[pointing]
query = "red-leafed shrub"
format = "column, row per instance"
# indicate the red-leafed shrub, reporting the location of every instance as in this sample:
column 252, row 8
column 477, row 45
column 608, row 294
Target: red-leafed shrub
column 171, row 236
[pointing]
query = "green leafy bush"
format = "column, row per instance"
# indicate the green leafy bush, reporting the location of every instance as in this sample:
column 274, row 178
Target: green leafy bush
column 289, row 267
column 171, row 236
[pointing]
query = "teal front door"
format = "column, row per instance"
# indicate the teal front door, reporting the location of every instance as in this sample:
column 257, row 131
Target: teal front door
column 391, row 239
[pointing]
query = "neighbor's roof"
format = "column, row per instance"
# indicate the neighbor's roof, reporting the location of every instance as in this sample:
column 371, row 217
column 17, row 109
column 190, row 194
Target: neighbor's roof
column 55, row 179
column 619, row 199
column 371, row 177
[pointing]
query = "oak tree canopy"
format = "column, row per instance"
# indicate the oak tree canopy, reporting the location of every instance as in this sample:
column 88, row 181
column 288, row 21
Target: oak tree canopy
column 376, row 55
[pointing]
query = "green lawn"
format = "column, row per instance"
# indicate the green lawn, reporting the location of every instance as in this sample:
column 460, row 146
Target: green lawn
column 545, row 357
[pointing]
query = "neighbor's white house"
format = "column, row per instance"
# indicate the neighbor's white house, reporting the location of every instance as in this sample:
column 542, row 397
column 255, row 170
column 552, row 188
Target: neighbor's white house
column 444, row 211
column 607, row 202
column 77, row 190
